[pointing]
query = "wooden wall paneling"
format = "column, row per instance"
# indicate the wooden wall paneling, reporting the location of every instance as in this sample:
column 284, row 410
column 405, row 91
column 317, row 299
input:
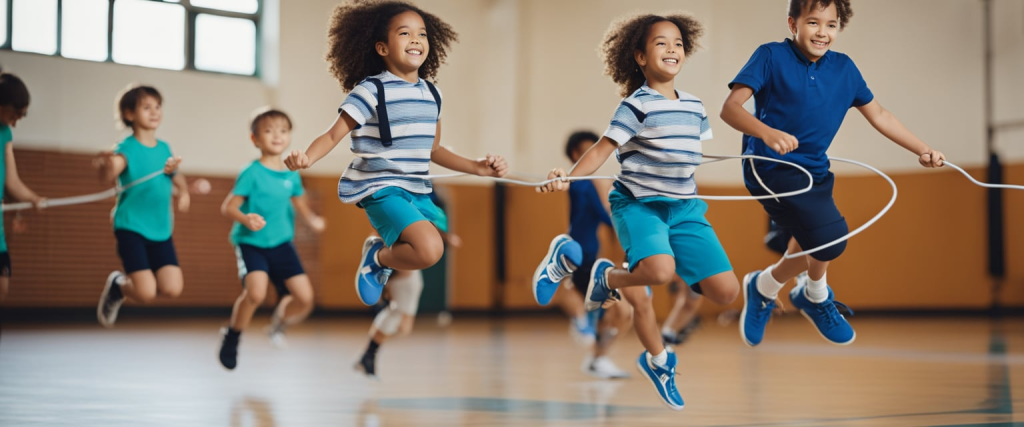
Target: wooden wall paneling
column 532, row 220
column 472, row 276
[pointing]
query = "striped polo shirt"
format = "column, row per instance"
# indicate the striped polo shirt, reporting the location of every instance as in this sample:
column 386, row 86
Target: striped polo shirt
column 659, row 142
column 413, row 114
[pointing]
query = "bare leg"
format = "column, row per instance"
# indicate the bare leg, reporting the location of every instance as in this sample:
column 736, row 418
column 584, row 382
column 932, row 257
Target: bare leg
column 296, row 306
column 140, row 287
column 419, row 246
column 251, row 298
column 169, row 281
column 644, row 320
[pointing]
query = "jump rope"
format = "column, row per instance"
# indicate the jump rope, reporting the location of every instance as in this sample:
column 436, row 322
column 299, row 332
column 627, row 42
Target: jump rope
column 118, row 189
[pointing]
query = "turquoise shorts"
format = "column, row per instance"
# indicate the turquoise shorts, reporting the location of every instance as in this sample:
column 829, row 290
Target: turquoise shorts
column 666, row 226
column 393, row 209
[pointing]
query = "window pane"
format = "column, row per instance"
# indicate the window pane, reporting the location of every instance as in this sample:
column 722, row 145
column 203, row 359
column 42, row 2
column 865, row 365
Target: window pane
column 35, row 26
column 3, row 22
column 84, row 29
column 225, row 44
column 242, row 6
column 150, row 34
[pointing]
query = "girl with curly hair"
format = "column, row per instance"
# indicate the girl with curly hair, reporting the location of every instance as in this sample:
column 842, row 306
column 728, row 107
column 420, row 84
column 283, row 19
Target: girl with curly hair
column 802, row 91
column 656, row 132
column 382, row 51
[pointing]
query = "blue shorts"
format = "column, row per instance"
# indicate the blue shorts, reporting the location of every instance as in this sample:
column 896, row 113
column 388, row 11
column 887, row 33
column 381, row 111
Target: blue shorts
column 139, row 253
column 393, row 209
column 280, row 263
column 668, row 227
column 811, row 218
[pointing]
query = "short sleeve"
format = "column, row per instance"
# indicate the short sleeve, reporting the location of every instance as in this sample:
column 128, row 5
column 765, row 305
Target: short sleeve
column 862, row 94
column 627, row 122
column 122, row 148
column 757, row 71
column 361, row 103
column 440, row 96
column 705, row 125
column 243, row 184
column 296, row 180
column 5, row 136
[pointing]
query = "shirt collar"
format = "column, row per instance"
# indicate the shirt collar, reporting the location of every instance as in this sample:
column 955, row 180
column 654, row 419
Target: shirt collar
column 654, row 92
column 803, row 58
column 387, row 76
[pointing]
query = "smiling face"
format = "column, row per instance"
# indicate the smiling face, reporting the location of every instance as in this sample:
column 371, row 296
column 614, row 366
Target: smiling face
column 407, row 46
column 663, row 53
column 273, row 135
column 815, row 30
column 147, row 114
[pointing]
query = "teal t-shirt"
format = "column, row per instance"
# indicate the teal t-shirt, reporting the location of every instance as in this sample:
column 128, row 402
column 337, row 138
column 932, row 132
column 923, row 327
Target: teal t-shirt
column 5, row 138
column 144, row 208
column 269, row 193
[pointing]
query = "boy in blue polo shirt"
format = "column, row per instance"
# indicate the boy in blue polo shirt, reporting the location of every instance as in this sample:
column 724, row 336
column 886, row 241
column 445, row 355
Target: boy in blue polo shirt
column 802, row 91
column 261, row 207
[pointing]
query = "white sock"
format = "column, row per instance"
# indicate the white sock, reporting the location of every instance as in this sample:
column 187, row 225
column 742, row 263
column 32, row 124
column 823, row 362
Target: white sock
column 766, row 284
column 668, row 332
column 661, row 359
column 581, row 320
column 376, row 259
column 816, row 290
column 121, row 280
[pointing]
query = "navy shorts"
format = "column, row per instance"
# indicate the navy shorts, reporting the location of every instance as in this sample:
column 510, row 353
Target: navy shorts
column 811, row 218
column 139, row 253
column 5, row 264
column 581, row 277
column 280, row 263
column 777, row 239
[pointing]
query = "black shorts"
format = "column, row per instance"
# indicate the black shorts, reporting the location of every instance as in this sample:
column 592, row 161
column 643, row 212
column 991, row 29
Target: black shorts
column 138, row 253
column 812, row 218
column 280, row 263
column 5, row 264
column 581, row 276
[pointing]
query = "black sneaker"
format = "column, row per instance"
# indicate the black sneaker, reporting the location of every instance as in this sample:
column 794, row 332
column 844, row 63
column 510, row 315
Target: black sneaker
column 229, row 349
column 110, row 300
column 684, row 334
column 366, row 365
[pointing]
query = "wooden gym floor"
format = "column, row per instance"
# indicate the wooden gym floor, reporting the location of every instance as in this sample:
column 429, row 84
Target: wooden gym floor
column 502, row 372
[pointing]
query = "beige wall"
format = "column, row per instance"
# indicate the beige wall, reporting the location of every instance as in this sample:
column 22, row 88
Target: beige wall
column 526, row 73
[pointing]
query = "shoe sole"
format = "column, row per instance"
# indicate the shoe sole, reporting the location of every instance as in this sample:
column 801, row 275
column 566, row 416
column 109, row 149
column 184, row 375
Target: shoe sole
column 743, row 313
column 799, row 288
column 643, row 372
column 367, row 245
column 587, row 302
column 358, row 367
column 540, row 268
column 106, row 323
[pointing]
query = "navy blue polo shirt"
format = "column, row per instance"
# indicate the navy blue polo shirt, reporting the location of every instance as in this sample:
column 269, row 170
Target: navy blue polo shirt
column 808, row 100
column 586, row 213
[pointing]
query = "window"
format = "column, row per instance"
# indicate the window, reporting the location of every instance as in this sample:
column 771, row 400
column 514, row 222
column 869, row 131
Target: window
column 207, row 35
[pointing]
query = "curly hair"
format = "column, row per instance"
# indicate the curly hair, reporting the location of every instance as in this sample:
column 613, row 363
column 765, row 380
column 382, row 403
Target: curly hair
column 357, row 25
column 629, row 34
column 843, row 9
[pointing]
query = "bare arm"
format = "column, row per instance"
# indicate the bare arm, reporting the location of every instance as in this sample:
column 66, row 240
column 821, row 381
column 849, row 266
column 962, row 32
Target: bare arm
column 110, row 166
column 604, row 187
column 322, row 145
column 740, row 119
column 587, row 165
column 231, row 208
column 313, row 220
column 184, row 198
column 488, row 166
column 15, row 186
column 887, row 124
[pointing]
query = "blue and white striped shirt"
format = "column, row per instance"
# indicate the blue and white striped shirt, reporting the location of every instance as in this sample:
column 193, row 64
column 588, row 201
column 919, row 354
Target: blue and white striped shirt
column 659, row 142
column 413, row 114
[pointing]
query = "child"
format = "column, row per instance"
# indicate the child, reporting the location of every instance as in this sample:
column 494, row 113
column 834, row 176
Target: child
column 261, row 207
column 14, row 100
column 398, row 315
column 143, row 220
column 657, row 132
column 802, row 91
column 382, row 51
column 682, row 320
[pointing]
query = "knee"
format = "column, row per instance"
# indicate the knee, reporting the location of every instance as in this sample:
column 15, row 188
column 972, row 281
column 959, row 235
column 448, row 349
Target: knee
column 254, row 296
column 658, row 271
column 145, row 296
column 173, row 291
column 724, row 295
column 431, row 253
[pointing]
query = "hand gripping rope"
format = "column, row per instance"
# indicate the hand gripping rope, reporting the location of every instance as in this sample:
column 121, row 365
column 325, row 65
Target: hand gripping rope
column 88, row 198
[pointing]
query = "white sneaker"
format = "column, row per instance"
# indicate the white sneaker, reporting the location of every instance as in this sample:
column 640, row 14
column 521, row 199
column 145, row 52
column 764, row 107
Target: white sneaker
column 276, row 333
column 603, row 367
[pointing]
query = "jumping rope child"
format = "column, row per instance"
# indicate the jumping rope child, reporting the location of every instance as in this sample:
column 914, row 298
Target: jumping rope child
column 261, row 207
column 143, row 219
column 802, row 91
column 682, row 321
column 657, row 133
column 383, row 52
column 14, row 100
column 398, row 315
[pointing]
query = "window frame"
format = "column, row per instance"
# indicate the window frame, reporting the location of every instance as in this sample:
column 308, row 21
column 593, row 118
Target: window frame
column 191, row 13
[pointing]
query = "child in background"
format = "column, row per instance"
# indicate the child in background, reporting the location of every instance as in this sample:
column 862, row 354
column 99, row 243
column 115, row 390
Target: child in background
column 143, row 219
column 264, row 226
column 383, row 52
column 14, row 100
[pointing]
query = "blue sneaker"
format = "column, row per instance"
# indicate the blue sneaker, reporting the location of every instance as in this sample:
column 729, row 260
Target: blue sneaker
column 598, row 292
column 371, row 278
column 663, row 378
column 564, row 255
column 825, row 316
column 757, row 310
column 583, row 331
